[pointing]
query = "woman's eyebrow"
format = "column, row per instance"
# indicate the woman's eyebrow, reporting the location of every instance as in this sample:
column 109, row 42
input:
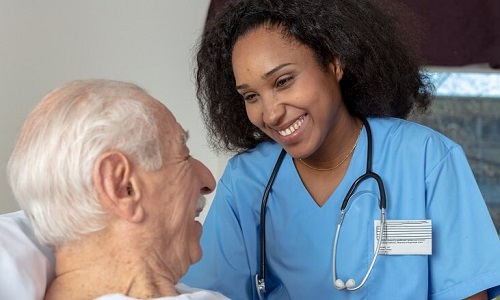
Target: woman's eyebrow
column 274, row 70
column 266, row 75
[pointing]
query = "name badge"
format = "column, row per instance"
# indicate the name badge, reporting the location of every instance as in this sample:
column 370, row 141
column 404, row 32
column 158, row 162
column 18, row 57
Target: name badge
column 404, row 237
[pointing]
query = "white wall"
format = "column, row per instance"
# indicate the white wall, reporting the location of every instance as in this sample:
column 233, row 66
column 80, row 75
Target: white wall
column 46, row 43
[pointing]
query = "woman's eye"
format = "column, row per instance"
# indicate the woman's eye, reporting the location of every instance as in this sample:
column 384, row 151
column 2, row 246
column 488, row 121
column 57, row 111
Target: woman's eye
column 248, row 97
column 283, row 81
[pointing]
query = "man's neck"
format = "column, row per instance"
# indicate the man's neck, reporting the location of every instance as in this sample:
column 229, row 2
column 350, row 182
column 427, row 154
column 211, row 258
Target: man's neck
column 89, row 269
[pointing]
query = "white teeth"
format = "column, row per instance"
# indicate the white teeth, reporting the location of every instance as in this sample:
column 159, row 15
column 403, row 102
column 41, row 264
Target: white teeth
column 292, row 127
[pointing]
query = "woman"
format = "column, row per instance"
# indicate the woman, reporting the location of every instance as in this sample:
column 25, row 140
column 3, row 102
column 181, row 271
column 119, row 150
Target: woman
column 330, row 83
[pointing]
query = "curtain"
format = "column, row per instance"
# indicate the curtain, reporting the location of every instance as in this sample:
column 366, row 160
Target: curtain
column 455, row 32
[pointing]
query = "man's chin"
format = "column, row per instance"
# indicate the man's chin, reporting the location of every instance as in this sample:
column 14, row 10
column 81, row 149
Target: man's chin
column 196, row 254
column 195, row 250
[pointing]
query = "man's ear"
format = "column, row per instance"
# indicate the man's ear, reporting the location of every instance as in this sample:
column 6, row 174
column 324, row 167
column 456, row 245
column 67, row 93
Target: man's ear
column 116, row 186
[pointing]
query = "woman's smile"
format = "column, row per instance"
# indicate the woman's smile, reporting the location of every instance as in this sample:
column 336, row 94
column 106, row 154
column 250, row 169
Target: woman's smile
column 296, row 125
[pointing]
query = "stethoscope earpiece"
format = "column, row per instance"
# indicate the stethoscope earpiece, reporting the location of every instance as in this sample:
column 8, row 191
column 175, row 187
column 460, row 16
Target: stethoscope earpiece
column 340, row 285
column 350, row 283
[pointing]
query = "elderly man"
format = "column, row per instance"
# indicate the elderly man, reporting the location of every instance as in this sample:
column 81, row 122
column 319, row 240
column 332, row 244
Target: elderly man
column 104, row 174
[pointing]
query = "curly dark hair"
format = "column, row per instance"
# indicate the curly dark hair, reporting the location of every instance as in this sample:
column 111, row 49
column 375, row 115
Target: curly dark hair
column 379, row 58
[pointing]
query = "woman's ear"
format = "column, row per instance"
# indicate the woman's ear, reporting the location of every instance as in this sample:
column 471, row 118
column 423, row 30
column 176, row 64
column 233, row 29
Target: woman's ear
column 336, row 67
column 116, row 186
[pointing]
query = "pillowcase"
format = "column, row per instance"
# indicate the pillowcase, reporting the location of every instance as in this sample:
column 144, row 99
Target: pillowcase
column 26, row 266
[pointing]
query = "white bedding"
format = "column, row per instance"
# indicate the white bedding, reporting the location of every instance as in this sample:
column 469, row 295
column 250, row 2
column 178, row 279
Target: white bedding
column 26, row 267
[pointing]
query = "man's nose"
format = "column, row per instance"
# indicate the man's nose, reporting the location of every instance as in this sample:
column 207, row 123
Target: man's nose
column 206, row 178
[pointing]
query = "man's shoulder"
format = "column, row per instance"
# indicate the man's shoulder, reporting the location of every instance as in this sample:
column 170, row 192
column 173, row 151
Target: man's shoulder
column 186, row 293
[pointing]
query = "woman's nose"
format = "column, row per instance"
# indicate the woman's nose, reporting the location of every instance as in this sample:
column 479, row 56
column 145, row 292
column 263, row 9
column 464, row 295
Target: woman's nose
column 272, row 111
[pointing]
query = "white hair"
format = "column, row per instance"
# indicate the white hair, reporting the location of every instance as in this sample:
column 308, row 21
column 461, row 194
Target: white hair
column 51, row 166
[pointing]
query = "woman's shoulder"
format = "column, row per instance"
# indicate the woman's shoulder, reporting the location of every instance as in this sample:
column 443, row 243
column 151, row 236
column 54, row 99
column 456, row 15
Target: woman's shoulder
column 255, row 162
column 406, row 142
column 409, row 133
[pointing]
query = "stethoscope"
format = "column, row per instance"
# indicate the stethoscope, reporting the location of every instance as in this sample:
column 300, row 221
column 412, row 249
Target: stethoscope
column 350, row 284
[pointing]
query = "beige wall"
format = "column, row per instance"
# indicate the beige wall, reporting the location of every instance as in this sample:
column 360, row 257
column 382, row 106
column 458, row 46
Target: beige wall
column 46, row 43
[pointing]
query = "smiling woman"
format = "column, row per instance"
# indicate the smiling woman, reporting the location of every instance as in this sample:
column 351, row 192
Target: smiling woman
column 313, row 97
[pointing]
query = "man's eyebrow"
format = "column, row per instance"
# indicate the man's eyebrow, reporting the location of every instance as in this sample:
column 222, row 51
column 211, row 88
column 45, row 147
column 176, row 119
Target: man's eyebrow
column 186, row 135
column 265, row 76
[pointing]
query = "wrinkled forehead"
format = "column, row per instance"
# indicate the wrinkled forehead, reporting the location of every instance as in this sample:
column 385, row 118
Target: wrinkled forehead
column 169, row 128
column 164, row 117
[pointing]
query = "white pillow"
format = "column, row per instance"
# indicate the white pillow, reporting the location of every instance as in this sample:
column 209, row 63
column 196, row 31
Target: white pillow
column 26, row 267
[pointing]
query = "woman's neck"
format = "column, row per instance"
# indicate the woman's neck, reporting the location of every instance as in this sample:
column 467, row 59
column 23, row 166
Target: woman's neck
column 338, row 145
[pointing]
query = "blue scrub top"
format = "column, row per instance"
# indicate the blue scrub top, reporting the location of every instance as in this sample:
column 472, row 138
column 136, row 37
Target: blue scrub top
column 426, row 176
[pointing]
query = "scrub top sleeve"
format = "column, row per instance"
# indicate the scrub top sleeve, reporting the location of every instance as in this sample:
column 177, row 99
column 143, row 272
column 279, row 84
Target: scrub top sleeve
column 224, row 265
column 466, row 249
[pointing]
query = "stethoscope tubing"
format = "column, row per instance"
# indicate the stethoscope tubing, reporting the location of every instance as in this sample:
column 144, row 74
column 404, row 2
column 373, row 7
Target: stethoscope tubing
column 260, row 276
